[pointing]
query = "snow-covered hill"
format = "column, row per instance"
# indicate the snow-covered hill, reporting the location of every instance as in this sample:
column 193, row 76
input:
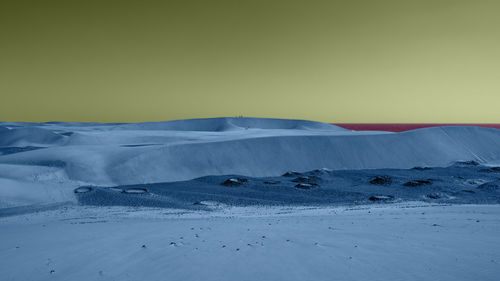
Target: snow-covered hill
column 57, row 157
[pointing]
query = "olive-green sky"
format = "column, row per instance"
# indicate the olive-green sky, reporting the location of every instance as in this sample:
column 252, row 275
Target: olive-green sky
column 332, row 61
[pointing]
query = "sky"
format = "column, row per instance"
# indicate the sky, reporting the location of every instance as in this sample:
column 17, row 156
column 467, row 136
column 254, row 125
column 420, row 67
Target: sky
column 355, row 61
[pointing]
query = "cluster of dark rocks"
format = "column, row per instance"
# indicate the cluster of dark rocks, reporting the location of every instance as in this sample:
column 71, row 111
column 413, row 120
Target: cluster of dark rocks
column 386, row 180
column 306, row 182
column 302, row 181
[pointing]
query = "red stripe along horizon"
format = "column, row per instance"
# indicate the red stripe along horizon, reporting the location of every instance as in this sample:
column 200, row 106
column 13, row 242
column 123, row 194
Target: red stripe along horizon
column 402, row 127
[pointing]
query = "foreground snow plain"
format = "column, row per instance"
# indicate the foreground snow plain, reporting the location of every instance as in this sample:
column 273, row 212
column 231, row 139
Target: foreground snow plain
column 73, row 202
column 411, row 241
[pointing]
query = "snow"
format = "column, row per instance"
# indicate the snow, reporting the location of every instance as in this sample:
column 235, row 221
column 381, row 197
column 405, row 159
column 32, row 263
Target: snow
column 398, row 242
column 247, row 199
column 75, row 154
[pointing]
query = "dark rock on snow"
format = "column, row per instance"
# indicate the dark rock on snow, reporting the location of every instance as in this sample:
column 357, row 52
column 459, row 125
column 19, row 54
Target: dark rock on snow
column 433, row 196
column 467, row 163
column 491, row 170
column 381, row 180
column 417, row 183
column 291, row 174
column 381, row 197
column 234, row 182
column 307, row 179
column 305, row 185
column 421, row 168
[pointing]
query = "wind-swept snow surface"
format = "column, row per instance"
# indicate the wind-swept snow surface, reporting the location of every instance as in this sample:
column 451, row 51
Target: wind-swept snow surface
column 401, row 242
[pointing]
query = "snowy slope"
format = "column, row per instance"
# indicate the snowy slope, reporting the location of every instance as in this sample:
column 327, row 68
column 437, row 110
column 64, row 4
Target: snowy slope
column 461, row 183
column 273, row 155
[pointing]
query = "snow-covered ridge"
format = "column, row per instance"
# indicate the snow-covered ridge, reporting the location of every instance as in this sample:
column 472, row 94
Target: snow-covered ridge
column 204, row 125
column 228, row 124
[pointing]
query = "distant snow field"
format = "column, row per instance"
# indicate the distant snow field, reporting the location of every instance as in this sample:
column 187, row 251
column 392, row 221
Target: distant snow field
column 247, row 199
